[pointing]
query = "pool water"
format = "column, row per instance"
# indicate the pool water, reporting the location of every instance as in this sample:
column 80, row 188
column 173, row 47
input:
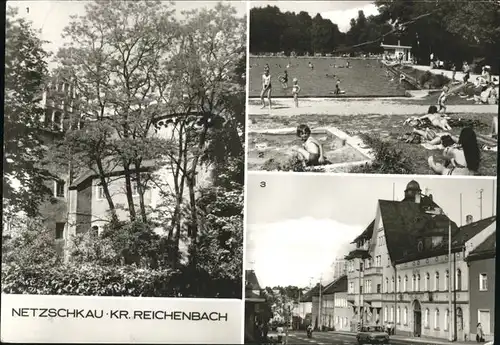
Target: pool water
column 364, row 78
column 277, row 147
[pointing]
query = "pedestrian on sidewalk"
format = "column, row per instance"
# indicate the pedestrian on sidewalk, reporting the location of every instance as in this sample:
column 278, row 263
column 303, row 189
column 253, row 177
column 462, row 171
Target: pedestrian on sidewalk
column 479, row 333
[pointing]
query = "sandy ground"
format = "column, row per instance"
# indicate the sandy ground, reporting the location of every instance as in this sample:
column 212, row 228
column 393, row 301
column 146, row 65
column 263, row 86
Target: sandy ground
column 356, row 106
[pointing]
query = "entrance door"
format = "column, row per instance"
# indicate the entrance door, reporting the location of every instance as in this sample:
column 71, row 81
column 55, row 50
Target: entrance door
column 484, row 319
column 417, row 316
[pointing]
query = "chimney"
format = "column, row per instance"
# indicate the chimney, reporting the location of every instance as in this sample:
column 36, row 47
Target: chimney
column 399, row 42
column 417, row 198
column 430, row 197
column 468, row 219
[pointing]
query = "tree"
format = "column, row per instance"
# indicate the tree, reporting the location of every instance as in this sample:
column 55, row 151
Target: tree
column 25, row 74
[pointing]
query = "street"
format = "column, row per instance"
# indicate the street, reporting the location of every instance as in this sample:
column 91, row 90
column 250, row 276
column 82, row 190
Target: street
column 330, row 338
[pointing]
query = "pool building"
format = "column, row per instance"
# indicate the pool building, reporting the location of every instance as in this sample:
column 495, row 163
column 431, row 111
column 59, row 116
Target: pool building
column 397, row 52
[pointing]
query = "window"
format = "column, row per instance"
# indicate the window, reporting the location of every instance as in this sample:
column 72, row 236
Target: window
column 94, row 231
column 436, row 281
column 388, row 261
column 59, row 190
column 386, row 285
column 405, row 316
column 351, row 287
column 436, row 319
column 398, row 315
column 459, row 280
column 483, row 282
column 446, row 280
column 398, row 287
column 392, row 315
column 57, row 121
column 405, row 284
column 446, row 319
column 100, row 193
column 379, row 261
column 48, row 118
column 379, row 288
column 385, row 314
column 417, row 287
column 361, row 289
column 413, row 283
column 426, row 318
column 427, row 282
column 59, row 230
column 135, row 189
column 361, row 267
column 391, row 288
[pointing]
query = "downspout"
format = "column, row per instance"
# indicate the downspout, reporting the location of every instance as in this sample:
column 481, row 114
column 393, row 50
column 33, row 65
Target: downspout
column 395, row 297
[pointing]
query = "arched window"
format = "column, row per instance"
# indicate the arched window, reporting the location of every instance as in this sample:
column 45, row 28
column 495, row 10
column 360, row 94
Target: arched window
column 446, row 319
column 405, row 284
column 385, row 314
column 405, row 316
column 436, row 318
column 446, row 280
column 399, row 284
column 392, row 315
column 392, row 285
column 386, row 284
column 459, row 280
column 398, row 321
column 427, row 282
column 414, row 283
column 436, row 281
column 426, row 318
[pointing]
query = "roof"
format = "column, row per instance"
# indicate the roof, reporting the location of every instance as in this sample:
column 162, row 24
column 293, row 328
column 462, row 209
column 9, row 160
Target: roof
column 367, row 233
column 251, row 281
column 394, row 46
column 358, row 253
column 339, row 285
column 459, row 237
column 309, row 294
column 406, row 221
column 485, row 250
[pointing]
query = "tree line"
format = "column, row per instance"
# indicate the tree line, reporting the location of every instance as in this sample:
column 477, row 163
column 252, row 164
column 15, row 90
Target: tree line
column 451, row 30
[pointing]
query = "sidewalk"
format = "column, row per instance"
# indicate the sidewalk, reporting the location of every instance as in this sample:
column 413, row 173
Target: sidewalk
column 328, row 106
column 425, row 340
column 458, row 76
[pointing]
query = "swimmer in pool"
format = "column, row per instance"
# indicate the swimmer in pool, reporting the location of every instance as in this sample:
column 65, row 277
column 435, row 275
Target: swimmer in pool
column 295, row 92
column 284, row 79
column 266, row 88
column 311, row 152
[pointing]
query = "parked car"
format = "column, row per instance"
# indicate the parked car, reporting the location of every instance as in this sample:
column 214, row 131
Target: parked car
column 276, row 335
column 372, row 335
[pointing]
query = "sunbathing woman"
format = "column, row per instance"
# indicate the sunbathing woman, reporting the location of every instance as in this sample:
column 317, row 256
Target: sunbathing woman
column 434, row 118
column 462, row 159
column 436, row 138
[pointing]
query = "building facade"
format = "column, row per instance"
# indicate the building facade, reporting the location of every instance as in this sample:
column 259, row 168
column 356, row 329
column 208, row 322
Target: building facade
column 398, row 274
column 481, row 262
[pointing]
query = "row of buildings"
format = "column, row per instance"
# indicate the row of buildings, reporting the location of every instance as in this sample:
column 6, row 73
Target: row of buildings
column 399, row 274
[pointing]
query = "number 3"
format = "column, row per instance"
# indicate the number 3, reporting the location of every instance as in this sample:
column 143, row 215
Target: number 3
column 262, row 184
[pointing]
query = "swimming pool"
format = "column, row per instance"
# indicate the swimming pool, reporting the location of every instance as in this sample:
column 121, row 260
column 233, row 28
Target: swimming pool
column 365, row 78
column 340, row 150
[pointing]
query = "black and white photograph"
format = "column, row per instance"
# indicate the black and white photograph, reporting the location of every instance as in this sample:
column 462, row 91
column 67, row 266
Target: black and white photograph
column 375, row 87
column 124, row 149
column 360, row 259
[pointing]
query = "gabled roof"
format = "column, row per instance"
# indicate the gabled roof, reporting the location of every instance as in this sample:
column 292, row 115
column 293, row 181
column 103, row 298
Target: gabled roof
column 339, row 285
column 485, row 250
column 406, row 221
column 307, row 297
column 367, row 233
column 470, row 230
column 251, row 281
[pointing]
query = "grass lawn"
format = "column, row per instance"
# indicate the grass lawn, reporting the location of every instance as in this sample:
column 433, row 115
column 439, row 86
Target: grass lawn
column 388, row 128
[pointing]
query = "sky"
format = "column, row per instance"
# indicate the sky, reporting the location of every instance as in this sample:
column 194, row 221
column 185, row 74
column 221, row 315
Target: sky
column 298, row 224
column 339, row 12
column 52, row 16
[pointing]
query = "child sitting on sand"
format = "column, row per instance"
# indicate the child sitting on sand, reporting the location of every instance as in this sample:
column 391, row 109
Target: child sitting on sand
column 295, row 92
column 311, row 152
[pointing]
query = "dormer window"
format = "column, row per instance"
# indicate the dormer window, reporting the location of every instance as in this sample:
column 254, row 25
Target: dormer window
column 420, row 246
